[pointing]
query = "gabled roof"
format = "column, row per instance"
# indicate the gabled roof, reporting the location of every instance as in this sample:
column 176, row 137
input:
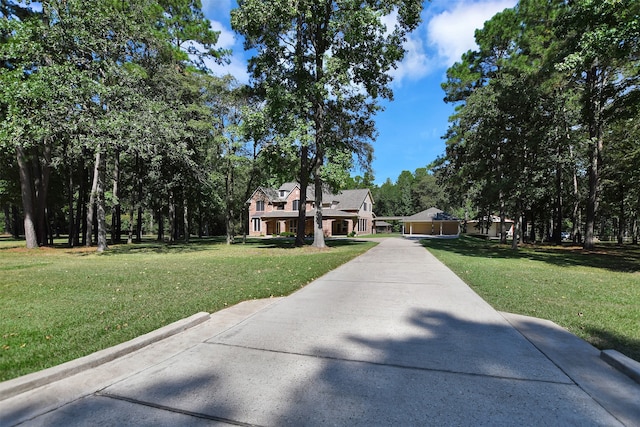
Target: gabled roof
column 270, row 194
column 431, row 214
column 351, row 199
column 290, row 186
column 345, row 200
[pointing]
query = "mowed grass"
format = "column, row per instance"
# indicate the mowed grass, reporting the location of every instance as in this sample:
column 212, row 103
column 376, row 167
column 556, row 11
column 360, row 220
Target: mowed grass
column 593, row 294
column 58, row 304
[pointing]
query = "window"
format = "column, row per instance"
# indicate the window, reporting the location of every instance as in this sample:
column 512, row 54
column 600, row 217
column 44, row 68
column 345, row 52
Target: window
column 259, row 205
column 293, row 226
column 256, row 224
column 296, row 205
column 362, row 225
column 283, row 194
column 365, row 206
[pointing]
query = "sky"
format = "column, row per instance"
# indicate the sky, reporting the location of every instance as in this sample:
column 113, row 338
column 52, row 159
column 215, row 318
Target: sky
column 411, row 127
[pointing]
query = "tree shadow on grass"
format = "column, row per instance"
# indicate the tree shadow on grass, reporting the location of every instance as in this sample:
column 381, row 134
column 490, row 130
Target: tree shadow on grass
column 289, row 243
column 196, row 245
column 605, row 339
column 613, row 258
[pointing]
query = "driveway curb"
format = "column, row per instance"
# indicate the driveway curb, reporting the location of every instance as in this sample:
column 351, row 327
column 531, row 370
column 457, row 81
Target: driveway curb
column 37, row 379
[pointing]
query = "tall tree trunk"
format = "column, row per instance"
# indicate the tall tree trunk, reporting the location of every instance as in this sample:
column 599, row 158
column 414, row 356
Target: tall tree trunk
column 304, row 183
column 318, row 232
column 185, row 219
column 131, row 224
column 228, row 215
column 28, row 199
column 160, row 220
column 100, row 203
column 517, row 231
column 172, row 217
column 92, row 199
column 81, row 206
column 304, row 149
column 621, row 216
column 116, row 220
column 247, row 192
column 42, row 190
column 576, row 199
column 139, row 198
column 503, row 227
column 557, row 230
column 532, row 235
column 594, row 186
column 72, row 226
column 139, row 225
column 596, row 141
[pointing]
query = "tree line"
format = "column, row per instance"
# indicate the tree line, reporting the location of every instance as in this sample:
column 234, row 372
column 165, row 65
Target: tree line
column 110, row 119
column 546, row 125
column 108, row 115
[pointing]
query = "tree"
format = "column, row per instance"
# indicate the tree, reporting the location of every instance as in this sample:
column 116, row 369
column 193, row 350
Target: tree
column 602, row 56
column 426, row 192
column 109, row 82
column 231, row 159
column 323, row 65
column 512, row 128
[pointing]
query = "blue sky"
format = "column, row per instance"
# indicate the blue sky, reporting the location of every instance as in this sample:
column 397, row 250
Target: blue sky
column 410, row 129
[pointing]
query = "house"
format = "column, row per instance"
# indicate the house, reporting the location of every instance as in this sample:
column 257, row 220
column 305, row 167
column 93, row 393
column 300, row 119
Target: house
column 488, row 227
column 431, row 222
column 275, row 211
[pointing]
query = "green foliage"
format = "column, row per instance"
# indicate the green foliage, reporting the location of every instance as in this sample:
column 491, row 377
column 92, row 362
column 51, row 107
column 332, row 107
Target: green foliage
column 119, row 79
column 322, row 66
column 410, row 194
column 535, row 106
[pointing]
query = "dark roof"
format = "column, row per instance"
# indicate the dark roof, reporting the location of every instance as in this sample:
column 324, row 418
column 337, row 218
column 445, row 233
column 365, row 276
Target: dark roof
column 289, row 186
column 351, row 199
column 431, row 214
column 345, row 200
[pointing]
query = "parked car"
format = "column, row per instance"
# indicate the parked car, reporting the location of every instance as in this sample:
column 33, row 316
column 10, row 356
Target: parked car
column 565, row 235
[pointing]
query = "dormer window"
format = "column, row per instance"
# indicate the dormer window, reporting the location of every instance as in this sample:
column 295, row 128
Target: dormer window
column 283, row 194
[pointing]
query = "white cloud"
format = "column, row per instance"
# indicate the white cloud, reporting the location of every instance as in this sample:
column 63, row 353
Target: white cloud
column 216, row 7
column 238, row 65
column 416, row 63
column 227, row 38
column 451, row 32
column 237, row 68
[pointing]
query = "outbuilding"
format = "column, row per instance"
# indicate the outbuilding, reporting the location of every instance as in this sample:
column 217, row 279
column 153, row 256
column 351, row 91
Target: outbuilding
column 431, row 222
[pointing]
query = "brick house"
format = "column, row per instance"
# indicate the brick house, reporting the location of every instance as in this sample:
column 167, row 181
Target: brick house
column 275, row 211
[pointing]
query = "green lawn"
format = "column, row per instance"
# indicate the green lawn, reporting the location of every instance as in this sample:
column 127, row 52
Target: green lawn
column 595, row 294
column 59, row 304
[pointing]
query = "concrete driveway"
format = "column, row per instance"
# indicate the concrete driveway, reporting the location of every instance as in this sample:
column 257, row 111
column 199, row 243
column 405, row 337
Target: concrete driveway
column 390, row 338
